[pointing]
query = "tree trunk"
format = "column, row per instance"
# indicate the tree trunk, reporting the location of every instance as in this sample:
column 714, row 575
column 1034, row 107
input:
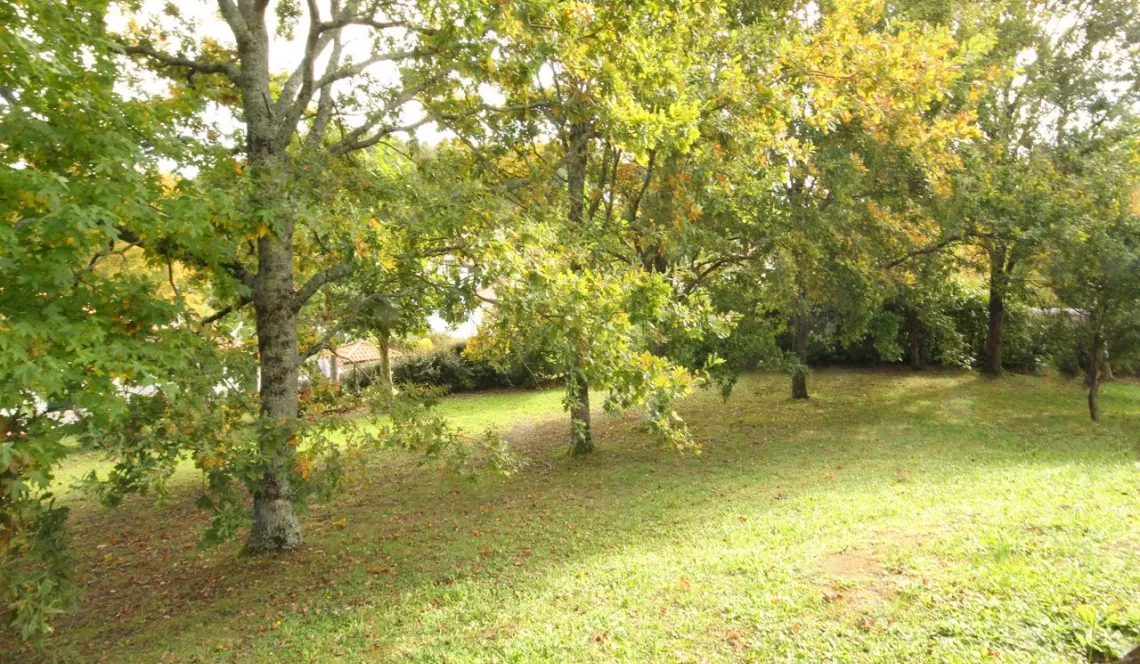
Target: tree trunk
column 1094, row 375
column 385, row 364
column 581, row 436
column 914, row 334
column 577, row 155
column 995, row 332
column 275, row 525
column 800, row 347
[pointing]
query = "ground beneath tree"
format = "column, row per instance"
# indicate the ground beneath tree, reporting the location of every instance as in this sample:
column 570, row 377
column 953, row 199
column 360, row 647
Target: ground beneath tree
column 932, row 517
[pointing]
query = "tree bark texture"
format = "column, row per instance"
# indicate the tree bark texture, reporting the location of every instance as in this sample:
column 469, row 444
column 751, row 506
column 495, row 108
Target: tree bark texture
column 581, row 436
column 577, row 155
column 275, row 525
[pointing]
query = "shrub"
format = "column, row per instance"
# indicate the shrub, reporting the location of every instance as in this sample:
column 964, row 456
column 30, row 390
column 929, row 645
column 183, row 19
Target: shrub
column 448, row 368
column 442, row 368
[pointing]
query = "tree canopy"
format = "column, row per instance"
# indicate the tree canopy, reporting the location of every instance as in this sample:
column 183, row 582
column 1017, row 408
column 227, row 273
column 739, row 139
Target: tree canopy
column 641, row 198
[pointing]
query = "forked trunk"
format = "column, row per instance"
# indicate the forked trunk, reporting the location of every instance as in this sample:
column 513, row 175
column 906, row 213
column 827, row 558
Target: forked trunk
column 800, row 347
column 275, row 525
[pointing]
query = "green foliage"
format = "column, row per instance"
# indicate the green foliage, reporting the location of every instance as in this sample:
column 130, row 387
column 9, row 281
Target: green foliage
column 414, row 423
column 82, row 342
column 447, row 367
column 35, row 570
column 670, row 192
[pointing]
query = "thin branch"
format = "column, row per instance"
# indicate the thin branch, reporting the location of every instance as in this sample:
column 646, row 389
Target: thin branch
column 931, row 249
column 234, row 266
column 635, row 206
column 170, row 277
column 345, row 319
column 225, row 311
column 358, row 68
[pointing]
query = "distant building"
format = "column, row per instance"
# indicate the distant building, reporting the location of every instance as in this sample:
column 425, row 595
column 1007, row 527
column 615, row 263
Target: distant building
column 344, row 359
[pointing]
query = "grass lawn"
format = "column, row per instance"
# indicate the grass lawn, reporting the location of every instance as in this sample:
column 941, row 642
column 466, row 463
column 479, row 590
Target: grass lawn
column 896, row 517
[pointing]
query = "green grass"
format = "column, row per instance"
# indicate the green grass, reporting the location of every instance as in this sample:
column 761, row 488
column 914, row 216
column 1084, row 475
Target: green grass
column 896, row 517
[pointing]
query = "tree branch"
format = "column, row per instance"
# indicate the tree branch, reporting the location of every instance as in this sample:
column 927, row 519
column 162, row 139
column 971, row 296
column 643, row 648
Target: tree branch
column 931, row 249
column 226, row 311
column 349, row 71
column 235, row 267
column 318, row 281
column 229, row 69
column 345, row 319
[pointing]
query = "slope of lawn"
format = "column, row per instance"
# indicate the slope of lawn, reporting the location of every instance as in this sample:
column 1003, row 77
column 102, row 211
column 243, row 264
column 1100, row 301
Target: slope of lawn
column 896, row 517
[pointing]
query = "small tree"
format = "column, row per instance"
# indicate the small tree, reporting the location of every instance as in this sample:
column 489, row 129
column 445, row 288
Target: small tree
column 569, row 286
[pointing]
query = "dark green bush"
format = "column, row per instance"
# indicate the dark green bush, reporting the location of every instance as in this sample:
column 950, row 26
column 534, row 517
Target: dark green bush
column 442, row 368
column 447, row 368
column 955, row 335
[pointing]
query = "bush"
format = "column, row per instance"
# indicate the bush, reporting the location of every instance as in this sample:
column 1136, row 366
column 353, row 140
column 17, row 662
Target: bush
column 442, row 368
column 450, row 369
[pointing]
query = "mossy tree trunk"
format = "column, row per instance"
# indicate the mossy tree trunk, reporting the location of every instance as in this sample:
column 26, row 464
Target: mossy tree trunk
column 577, row 384
column 1002, row 263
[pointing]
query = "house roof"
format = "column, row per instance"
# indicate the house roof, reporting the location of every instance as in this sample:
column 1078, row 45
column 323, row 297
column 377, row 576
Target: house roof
column 360, row 351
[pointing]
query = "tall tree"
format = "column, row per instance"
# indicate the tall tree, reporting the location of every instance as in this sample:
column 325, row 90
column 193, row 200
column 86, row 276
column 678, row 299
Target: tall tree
column 297, row 124
column 859, row 139
column 1094, row 257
